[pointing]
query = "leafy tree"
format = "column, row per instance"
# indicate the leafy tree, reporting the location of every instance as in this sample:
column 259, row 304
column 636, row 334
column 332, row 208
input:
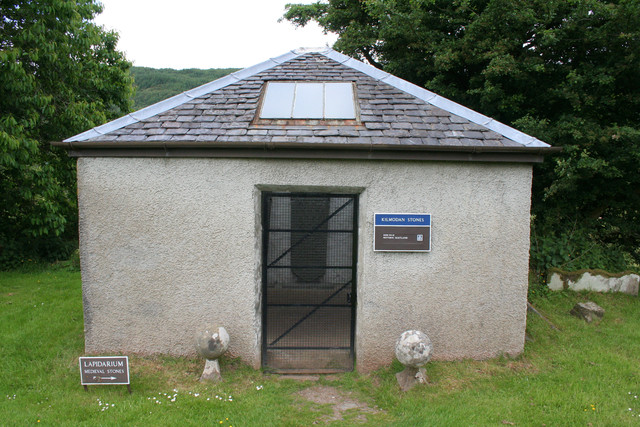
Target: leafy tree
column 565, row 71
column 60, row 74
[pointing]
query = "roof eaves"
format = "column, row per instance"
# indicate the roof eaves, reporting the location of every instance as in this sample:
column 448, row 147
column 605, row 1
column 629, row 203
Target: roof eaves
column 101, row 130
column 436, row 100
column 182, row 98
column 255, row 149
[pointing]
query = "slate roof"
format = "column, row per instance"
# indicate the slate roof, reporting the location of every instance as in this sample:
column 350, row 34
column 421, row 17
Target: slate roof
column 394, row 115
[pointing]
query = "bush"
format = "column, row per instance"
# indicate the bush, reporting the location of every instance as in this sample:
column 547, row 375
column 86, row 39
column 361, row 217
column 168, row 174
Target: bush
column 573, row 250
column 15, row 254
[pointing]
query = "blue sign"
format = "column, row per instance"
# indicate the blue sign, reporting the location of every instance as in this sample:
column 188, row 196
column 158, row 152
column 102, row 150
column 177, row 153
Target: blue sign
column 402, row 232
column 403, row 220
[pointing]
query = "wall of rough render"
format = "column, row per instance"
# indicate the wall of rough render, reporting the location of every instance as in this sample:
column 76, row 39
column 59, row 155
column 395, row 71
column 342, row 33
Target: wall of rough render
column 167, row 245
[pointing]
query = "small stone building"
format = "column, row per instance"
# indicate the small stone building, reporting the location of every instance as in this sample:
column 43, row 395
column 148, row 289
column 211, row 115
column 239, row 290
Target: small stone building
column 249, row 202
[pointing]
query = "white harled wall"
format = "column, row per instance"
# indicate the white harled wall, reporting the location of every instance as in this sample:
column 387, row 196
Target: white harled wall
column 167, row 245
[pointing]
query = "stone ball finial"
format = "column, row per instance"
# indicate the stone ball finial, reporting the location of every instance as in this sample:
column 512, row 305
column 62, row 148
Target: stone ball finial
column 212, row 342
column 413, row 349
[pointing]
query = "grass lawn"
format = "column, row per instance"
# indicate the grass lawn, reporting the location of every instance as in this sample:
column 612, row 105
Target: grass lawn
column 582, row 374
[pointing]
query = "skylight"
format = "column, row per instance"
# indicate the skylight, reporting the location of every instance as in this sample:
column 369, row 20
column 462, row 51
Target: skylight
column 317, row 100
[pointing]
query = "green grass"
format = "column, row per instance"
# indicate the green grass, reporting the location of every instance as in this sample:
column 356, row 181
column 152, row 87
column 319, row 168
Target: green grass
column 581, row 374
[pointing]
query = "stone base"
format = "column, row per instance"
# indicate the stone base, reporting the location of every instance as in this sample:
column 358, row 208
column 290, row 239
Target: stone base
column 211, row 371
column 408, row 378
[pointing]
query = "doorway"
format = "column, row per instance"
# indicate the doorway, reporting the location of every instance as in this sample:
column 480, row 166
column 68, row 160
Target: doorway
column 309, row 253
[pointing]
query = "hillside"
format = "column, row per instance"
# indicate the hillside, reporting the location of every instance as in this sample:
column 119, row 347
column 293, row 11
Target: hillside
column 154, row 85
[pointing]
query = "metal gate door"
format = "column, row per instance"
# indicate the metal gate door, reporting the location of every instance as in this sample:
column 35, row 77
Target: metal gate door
column 308, row 281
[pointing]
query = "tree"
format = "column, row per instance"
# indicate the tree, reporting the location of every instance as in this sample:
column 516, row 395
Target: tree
column 60, row 74
column 563, row 71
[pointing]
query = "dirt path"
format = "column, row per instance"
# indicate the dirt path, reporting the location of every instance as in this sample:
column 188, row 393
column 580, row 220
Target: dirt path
column 340, row 401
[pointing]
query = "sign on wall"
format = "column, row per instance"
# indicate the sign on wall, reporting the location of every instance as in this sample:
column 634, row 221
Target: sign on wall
column 402, row 232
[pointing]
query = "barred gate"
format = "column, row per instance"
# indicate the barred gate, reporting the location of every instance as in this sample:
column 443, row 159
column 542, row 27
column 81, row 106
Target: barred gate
column 308, row 281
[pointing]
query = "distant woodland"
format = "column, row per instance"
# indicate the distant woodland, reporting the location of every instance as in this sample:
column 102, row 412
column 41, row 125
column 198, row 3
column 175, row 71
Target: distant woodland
column 154, row 85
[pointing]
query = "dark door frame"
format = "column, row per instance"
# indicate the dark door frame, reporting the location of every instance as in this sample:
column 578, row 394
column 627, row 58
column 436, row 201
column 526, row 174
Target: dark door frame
column 266, row 265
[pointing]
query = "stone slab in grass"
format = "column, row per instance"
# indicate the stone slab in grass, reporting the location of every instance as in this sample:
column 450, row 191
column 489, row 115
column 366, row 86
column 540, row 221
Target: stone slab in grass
column 588, row 311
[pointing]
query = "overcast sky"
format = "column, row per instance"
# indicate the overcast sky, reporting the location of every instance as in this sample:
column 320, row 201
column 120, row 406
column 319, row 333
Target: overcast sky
column 205, row 33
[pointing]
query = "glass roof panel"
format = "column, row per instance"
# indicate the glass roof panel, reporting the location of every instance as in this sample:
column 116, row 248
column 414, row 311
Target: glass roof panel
column 308, row 101
column 338, row 101
column 278, row 101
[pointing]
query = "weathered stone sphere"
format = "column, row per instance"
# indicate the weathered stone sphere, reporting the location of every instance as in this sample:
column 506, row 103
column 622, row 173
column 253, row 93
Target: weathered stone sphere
column 413, row 349
column 212, row 342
